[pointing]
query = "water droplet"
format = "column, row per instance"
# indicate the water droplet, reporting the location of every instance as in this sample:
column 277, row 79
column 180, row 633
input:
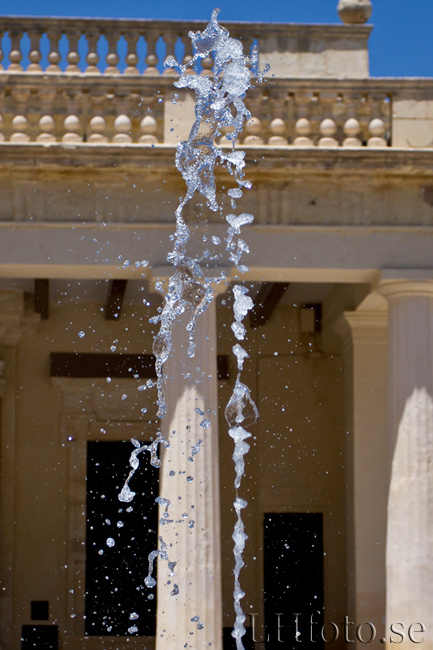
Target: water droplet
column 149, row 581
column 81, row 334
column 110, row 542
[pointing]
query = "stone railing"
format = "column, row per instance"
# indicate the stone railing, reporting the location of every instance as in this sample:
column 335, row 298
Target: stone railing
column 131, row 47
column 95, row 46
column 102, row 82
column 90, row 110
column 319, row 116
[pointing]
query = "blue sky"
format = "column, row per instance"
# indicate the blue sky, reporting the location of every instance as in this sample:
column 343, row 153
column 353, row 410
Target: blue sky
column 401, row 44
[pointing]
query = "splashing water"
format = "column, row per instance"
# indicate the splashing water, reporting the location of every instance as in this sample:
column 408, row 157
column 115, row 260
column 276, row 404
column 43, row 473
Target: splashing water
column 219, row 104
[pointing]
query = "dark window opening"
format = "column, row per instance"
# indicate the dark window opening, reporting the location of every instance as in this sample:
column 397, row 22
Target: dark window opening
column 117, row 602
column 39, row 610
column 293, row 579
column 39, row 637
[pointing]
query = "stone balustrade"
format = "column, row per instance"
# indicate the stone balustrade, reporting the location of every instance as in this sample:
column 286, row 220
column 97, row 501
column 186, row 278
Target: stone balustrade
column 86, row 112
column 100, row 46
column 47, row 113
column 323, row 118
column 102, row 82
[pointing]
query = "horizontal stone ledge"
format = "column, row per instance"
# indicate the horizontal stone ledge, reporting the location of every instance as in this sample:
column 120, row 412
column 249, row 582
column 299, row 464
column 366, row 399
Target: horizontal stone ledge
column 250, row 28
column 287, row 83
column 278, row 253
column 387, row 160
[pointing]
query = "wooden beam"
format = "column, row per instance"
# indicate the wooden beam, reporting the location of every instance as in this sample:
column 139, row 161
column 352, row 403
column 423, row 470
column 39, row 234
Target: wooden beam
column 81, row 365
column 223, row 370
column 116, row 294
column 266, row 302
column 117, row 366
column 42, row 298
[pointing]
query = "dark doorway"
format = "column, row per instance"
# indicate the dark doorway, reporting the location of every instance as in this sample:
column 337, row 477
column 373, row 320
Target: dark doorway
column 293, row 573
column 117, row 601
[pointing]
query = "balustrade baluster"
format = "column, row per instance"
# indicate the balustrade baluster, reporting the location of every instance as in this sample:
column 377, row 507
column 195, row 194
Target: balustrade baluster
column 224, row 140
column 92, row 58
column 98, row 124
column 376, row 126
column 112, row 58
column 303, row 124
column 148, row 125
column 73, row 57
column 328, row 126
column 20, row 123
column 352, row 125
column 35, row 52
column 97, row 127
column 188, row 52
column 54, row 36
column 207, row 65
column 46, row 121
column 131, row 57
column 170, row 39
column 122, row 123
column 278, row 125
column 15, row 55
column 72, row 123
column 151, row 57
column 253, row 127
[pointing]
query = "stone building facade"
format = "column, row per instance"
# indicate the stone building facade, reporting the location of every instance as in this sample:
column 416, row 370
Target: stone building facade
column 340, row 341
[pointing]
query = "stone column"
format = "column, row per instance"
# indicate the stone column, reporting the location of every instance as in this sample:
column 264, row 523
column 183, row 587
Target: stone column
column 11, row 330
column 191, row 618
column 364, row 335
column 409, row 552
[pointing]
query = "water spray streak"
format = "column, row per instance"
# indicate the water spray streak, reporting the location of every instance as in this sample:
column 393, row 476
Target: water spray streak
column 219, row 105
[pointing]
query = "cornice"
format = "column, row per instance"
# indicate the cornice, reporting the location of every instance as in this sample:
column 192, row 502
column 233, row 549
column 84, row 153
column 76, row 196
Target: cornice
column 129, row 83
column 261, row 159
column 252, row 29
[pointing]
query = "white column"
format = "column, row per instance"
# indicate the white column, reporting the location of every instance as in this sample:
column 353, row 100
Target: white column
column 193, row 618
column 364, row 335
column 409, row 553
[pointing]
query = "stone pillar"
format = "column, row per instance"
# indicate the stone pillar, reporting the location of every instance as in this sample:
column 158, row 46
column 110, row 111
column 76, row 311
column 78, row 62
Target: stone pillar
column 409, row 552
column 11, row 329
column 189, row 480
column 364, row 335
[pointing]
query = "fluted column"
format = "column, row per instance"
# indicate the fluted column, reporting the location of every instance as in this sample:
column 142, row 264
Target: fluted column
column 191, row 618
column 409, row 553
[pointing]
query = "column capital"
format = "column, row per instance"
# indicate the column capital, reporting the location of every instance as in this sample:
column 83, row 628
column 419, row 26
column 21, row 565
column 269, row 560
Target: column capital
column 405, row 282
